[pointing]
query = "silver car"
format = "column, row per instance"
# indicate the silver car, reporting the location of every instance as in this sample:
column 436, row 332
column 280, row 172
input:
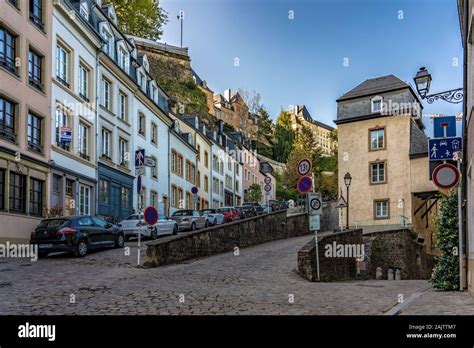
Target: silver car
column 189, row 220
column 213, row 216
column 134, row 224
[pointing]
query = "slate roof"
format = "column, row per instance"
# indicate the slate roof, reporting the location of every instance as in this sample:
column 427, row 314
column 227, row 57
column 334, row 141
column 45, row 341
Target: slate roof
column 374, row 86
column 418, row 141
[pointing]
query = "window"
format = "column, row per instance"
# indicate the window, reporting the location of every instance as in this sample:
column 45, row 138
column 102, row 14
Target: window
column 228, row 181
column 174, row 196
column 36, row 197
column 174, row 161
column 84, row 141
column 180, row 198
column 206, row 159
column 36, row 13
column 84, row 200
column 154, row 170
column 17, row 193
column 125, row 200
column 215, row 185
column 154, row 199
column 153, row 92
column 141, row 124
column 62, row 65
column 180, row 165
column 56, row 183
column 108, row 42
column 2, row 189
column 34, row 132
column 62, row 129
column 123, row 59
column 123, row 107
column 106, row 90
column 199, row 152
column 154, row 134
column 376, row 104
column 123, row 147
column 35, row 67
column 215, row 163
column 14, row 3
column 377, row 139
column 189, row 203
column 377, row 172
column 106, row 135
column 84, row 83
column 7, row 50
column 104, row 191
column 221, row 186
column 381, row 209
column 84, row 10
column 198, row 179
column 206, row 183
column 142, row 198
column 7, row 119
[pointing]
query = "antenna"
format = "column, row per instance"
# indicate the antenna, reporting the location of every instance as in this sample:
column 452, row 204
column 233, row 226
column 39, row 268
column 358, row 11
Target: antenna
column 181, row 18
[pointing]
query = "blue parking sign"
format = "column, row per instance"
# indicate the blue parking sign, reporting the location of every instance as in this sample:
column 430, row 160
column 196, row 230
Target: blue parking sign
column 443, row 149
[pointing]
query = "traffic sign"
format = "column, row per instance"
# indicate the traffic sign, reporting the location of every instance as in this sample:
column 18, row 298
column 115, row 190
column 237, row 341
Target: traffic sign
column 267, row 180
column 267, row 188
column 443, row 149
column 444, row 126
column 341, row 203
column 195, row 198
column 194, row 190
column 446, row 176
column 139, row 184
column 150, row 162
column 305, row 184
column 304, row 166
column 315, row 206
column 151, row 215
column 314, row 222
column 139, row 158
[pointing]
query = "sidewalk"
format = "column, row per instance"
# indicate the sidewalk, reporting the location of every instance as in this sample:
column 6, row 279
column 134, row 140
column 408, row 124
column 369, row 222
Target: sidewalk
column 435, row 302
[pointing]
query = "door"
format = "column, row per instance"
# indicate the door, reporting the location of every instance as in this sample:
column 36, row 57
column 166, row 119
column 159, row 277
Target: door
column 104, row 230
column 87, row 226
column 115, row 200
column 163, row 225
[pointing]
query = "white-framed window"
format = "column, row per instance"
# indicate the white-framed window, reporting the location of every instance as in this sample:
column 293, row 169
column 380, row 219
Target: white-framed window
column 377, row 139
column 84, row 141
column 154, row 199
column 381, row 209
column 123, row 148
column 376, row 104
column 377, row 172
column 84, row 10
column 62, row 64
column 83, row 82
column 108, row 42
column 123, row 58
column 154, row 93
column 141, row 124
column 106, row 137
column 154, row 170
column 84, row 200
column 62, row 121
column 154, row 133
column 106, row 93
column 123, row 102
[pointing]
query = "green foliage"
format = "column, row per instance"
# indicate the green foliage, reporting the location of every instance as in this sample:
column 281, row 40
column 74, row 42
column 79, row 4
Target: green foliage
column 263, row 149
column 253, row 194
column 283, row 191
column 143, row 18
column 446, row 273
column 284, row 138
column 229, row 128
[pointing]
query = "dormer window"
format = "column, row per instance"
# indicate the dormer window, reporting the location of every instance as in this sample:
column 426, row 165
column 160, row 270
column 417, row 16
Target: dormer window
column 142, row 81
column 376, row 104
column 108, row 40
column 123, row 59
column 84, row 10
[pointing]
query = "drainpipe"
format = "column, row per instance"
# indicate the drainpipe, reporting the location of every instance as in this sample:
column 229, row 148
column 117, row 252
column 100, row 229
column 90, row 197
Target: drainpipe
column 168, row 203
column 96, row 140
column 463, row 275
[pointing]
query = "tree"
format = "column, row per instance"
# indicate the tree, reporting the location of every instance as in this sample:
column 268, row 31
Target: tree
column 265, row 126
column 254, row 193
column 252, row 99
column 143, row 18
column 306, row 140
column 284, row 137
column 445, row 275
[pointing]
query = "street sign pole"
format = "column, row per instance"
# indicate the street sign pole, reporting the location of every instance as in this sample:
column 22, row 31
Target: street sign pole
column 317, row 252
column 460, row 231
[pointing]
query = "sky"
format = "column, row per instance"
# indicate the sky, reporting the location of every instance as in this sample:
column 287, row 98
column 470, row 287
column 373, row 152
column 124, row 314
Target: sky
column 293, row 51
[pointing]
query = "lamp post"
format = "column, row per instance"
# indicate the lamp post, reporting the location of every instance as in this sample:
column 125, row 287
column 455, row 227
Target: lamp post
column 423, row 82
column 347, row 182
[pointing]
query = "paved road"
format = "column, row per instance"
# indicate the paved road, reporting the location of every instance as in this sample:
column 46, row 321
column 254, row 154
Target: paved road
column 261, row 280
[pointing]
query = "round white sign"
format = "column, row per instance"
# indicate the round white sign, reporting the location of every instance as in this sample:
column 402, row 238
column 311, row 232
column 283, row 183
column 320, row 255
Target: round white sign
column 304, row 167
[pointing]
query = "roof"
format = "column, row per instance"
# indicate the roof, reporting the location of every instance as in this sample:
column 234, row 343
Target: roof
column 418, row 141
column 374, row 86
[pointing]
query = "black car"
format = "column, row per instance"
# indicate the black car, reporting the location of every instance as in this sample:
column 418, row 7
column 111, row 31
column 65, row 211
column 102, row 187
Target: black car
column 76, row 234
column 248, row 211
column 241, row 213
column 258, row 208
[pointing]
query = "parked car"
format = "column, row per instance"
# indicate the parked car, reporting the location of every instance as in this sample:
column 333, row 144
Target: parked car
column 241, row 213
column 267, row 208
column 189, row 220
column 134, row 224
column 258, row 208
column 249, row 211
column 230, row 214
column 213, row 216
column 76, row 234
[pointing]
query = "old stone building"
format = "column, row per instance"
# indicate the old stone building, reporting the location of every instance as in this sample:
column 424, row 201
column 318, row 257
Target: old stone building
column 383, row 146
column 300, row 117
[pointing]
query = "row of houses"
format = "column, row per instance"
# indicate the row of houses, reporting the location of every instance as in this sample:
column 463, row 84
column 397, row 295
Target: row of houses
column 77, row 100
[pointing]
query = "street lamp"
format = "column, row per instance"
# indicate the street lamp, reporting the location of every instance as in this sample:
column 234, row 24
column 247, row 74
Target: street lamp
column 347, row 182
column 423, row 82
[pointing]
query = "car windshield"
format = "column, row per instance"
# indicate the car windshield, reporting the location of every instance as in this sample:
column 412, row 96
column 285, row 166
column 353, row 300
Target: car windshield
column 183, row 213
column 55, row 223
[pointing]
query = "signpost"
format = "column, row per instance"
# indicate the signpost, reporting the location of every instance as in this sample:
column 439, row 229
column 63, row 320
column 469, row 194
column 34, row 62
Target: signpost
column 304, row 167
column 443, row 149
column 305, row 184
column 315, row 206
column 139, row 171
column 267, row 180
column 446, row 176
column 444, row 126
column 265, row 167
column 149, row 162
column 140, row 158
column 151, row 215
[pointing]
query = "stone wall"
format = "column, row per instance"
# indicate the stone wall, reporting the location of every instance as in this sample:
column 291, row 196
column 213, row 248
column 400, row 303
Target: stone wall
column 225, row 238
column 398, row 249
column 330, row 268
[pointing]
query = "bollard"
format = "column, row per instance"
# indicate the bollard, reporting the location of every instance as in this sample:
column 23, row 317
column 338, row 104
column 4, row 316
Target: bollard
column 378, row 273
column 390, row 274
column 398, row 274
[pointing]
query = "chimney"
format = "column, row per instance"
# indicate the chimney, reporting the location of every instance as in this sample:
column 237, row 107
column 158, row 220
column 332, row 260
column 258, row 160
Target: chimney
column 204, row 83
column 227, row 93
column 296, row 110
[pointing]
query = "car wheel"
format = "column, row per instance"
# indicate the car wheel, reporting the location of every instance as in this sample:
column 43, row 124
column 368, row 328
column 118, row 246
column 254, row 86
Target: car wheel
column 193, row 226
column 175, row 229
column 42, row 254
column 81, row 249
column 154, row 234
column 119, row 241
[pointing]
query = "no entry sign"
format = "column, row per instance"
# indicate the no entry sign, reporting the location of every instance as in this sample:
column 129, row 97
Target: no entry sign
column 151, row 215
column 446, row 176
column 305, row 184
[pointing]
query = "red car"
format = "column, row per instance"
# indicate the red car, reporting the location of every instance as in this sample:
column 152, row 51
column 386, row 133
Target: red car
column 230, row 214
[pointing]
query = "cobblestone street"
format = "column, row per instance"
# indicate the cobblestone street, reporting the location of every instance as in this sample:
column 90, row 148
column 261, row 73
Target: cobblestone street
column 261, row 280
